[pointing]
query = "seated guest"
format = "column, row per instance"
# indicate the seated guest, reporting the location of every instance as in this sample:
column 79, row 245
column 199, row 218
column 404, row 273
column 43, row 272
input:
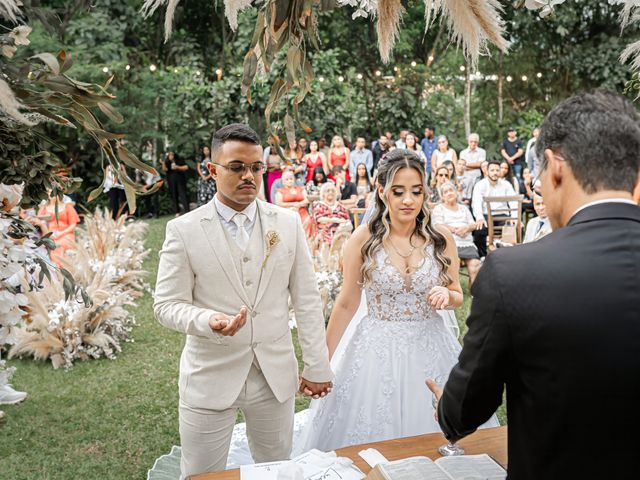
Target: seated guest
column 450, row 166
column 441, row 176
column 527, row 190
column 313, row 186
column 506, row 173
column 329, row 213
column 538, row 226
column 63, row 227
column 294, row 197
column 491, row 186
column 363, row 183
column 465, row 181
column 458, row 220
column 348, row 192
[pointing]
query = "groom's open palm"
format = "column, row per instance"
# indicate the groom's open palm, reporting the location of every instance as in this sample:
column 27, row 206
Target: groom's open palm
column 228, row 325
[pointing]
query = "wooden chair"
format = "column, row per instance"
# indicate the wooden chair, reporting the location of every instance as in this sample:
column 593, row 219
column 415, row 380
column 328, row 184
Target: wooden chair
column 357, row 214
column 496, row 225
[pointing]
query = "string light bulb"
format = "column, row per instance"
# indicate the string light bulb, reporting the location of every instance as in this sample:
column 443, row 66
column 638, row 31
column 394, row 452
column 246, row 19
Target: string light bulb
column 359, row 76
column 218, row 71
column 105, row 70
column 175, row 70
column 127, row 68
column 152, row 67
column 413, row 64
column 197, row 73
column 509, row 78
column 341, row 78
column 524, row 78
column 462, row 68
column 321, row 79
column 395, row 69
column 539, row 75
column 431, row 59
column 378, row 73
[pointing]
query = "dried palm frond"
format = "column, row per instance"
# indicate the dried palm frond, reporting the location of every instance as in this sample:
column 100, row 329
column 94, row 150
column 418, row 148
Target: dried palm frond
column 106, row 259
column 388, row 27
column 632, row 52
column 10, row 9
column 471, row 23
column 10, row 105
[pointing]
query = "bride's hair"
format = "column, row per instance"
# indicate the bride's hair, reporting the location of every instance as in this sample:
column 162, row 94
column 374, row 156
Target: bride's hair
column 380, row 223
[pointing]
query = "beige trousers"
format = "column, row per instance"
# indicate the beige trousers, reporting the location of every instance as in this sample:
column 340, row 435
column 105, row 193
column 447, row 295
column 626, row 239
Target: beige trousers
column 205, row 434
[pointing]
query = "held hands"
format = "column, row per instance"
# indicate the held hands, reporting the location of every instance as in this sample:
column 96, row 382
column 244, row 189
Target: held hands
column 313, row 389
column 439, row 297
column 227, row 325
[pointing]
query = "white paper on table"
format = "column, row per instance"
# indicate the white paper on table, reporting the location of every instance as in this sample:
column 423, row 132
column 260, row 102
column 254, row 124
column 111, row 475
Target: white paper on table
column 316, row 465
column 372, row 456
column 260, row 471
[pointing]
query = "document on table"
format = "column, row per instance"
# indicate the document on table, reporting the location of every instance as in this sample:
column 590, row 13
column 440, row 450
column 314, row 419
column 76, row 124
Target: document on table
column 467, row 467
column 413, row 469
column 315, row 465
column 472, row 467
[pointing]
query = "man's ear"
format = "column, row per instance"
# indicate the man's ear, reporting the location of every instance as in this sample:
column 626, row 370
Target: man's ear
column 556, row 167
column 212, row 169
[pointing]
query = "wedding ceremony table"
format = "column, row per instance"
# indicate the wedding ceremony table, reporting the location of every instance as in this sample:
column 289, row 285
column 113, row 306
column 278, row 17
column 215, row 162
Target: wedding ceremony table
column 492, row 441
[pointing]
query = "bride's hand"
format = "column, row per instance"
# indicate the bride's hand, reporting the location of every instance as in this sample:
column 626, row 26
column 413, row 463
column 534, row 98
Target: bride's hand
column 439, row 297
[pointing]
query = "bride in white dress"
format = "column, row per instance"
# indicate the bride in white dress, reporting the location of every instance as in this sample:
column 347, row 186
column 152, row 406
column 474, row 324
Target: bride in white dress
column 408, row 269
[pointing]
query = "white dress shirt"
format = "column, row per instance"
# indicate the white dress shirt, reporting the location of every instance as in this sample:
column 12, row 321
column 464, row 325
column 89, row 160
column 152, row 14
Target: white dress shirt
column 226, row 215
column 536, row 228
column 478, row 155
column 483, row 189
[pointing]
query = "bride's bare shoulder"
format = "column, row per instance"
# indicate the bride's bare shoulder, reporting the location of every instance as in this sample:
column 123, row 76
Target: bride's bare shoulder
column 360, row 235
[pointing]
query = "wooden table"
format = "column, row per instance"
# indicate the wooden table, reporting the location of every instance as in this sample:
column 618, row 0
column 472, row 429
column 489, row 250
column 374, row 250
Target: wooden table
column 492, row 441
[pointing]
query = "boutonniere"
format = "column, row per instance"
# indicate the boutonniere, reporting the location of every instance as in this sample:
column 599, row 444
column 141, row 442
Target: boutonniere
column 272, row 239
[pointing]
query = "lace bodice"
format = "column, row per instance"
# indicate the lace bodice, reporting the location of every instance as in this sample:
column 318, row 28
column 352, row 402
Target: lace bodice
column 394, row 296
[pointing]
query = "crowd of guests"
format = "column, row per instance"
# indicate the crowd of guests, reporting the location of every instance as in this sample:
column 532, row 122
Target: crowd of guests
column 329, row 184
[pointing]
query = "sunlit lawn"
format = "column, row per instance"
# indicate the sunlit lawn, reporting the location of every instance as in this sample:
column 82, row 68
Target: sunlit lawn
column 102, row 419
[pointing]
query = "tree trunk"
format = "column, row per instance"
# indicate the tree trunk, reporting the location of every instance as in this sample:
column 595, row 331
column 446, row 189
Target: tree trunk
column 467, row 101
column 500, row 87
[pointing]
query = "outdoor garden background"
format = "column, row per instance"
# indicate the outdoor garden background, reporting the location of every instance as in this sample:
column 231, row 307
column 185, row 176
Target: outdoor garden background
column 112, row 418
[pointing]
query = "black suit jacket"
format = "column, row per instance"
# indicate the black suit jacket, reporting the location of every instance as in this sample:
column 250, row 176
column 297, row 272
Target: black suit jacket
column 558, row 322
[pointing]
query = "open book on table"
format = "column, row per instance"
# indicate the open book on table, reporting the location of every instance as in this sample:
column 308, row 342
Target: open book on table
column 464, row 467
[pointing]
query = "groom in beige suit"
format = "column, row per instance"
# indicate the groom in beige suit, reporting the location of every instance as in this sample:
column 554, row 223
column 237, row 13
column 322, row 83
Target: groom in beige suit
column 226, row 273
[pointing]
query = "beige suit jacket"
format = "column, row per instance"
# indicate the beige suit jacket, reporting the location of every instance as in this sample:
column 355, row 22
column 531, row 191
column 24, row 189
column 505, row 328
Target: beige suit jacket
column 197, row 278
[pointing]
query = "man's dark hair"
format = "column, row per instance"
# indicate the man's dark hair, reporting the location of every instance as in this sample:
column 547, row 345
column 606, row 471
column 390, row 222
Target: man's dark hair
column 234, row 131
column 493, row 162
column 598, row 135
column 337, row 169
column 431, row 127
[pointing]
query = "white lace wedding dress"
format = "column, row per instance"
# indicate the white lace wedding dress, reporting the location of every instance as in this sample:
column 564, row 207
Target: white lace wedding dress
column 379, row 386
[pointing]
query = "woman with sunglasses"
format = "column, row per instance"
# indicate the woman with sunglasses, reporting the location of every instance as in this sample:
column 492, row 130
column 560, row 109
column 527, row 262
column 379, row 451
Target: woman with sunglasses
column 441, row 176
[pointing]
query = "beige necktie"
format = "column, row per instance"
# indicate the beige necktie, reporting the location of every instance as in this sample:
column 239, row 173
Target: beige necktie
column 242, row 236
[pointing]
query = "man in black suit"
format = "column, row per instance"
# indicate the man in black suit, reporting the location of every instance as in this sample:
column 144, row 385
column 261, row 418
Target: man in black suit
column 558, row 320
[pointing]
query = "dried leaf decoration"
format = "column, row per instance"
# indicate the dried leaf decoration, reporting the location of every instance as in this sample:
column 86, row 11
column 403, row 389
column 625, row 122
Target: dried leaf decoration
column 388, row 27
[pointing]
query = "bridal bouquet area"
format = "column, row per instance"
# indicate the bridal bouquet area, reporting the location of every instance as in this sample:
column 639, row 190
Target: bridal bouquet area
column 106, row 260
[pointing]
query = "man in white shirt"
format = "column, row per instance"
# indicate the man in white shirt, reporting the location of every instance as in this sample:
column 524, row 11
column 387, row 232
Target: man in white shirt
column 492, row 186
column 360, row 155
column 474, row 156
column 538, row 226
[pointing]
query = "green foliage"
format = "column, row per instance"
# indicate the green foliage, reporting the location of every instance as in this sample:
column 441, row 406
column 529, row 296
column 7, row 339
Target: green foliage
column 175, row 108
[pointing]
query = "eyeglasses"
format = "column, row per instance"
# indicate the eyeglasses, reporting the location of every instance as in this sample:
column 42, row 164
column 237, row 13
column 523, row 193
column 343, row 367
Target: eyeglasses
column 446, row 175
column 240, row 168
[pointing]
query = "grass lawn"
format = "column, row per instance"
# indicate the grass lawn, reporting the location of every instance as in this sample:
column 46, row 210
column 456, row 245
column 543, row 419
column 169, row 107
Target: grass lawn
column 103, row 419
